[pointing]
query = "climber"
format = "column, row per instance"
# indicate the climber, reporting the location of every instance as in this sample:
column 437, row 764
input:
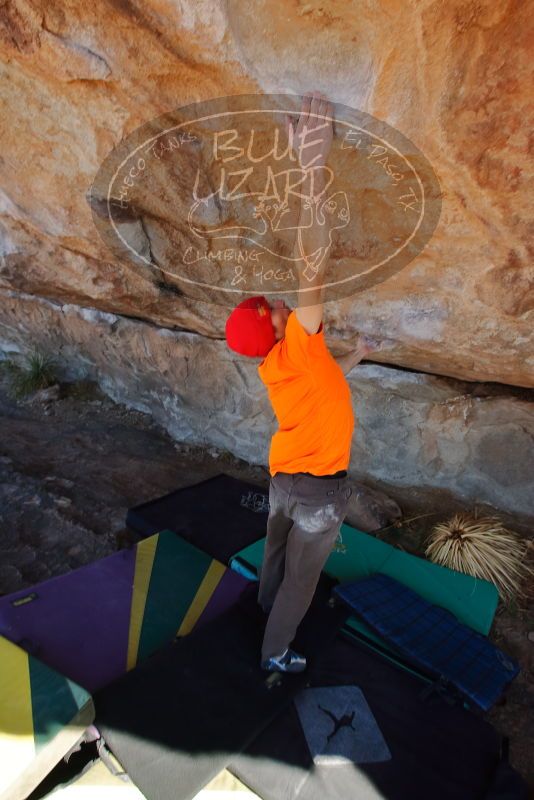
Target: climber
column 309, row 488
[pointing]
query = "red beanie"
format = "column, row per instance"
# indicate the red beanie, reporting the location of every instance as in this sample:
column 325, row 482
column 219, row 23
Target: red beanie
column 249, row 328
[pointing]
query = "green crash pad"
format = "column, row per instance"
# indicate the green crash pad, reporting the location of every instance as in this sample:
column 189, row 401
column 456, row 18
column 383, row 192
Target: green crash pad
column 473, row 601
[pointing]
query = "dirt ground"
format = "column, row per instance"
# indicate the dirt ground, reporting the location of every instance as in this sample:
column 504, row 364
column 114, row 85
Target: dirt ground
column 71, row 466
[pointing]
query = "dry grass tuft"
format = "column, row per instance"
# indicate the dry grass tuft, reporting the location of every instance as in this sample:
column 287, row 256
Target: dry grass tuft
column 38, row 372
column 484, row 548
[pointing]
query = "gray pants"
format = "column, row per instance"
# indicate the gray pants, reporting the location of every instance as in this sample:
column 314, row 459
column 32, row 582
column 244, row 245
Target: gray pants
column 304, row 521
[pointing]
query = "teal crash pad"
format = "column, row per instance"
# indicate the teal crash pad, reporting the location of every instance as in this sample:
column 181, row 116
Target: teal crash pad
column 473, row 601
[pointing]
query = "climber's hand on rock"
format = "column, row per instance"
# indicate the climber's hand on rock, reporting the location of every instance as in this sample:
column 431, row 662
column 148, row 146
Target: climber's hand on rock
column 367, row 344
column 313, row 132
column 371, row 344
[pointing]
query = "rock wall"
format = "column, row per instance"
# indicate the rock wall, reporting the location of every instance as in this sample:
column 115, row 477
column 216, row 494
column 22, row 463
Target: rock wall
column 454, row 77
column 413, row 430
column 77, row 78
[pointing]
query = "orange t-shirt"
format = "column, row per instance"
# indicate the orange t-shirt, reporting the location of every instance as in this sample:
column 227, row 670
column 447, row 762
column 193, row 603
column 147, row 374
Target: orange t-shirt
column 312, row 402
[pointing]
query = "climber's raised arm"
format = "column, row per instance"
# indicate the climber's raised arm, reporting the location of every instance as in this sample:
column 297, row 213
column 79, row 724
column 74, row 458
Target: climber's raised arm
column 315, row 245
column 312, row 139
column 364, row 346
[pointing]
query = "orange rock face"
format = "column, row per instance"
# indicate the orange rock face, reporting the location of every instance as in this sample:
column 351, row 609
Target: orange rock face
column 455, row 78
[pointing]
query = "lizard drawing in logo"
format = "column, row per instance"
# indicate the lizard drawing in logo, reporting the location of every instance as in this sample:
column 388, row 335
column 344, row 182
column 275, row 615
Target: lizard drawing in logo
column 339, row 722
column 270, row 214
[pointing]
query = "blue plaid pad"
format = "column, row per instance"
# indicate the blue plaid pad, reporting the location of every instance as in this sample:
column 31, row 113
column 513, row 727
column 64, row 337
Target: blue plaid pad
column 431, row 637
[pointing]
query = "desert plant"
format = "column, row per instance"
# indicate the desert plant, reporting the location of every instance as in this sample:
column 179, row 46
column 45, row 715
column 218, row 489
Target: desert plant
column 484, row 548
column 38, row 372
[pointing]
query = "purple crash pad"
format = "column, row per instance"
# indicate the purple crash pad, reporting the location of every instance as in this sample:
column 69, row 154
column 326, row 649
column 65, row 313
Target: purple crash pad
column 98, row 621
column 76, row 623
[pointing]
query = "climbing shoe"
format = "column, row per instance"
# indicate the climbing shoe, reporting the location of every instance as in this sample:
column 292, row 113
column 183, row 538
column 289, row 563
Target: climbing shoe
column 289, row 661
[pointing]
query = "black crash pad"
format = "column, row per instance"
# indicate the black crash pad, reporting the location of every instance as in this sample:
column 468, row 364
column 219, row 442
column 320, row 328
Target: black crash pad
column 220, row 515
column 406, row 745
column 179, row 718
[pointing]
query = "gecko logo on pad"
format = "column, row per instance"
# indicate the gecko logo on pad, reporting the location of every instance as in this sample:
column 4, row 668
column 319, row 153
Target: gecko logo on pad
column 345, row 721
column 339, row 726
